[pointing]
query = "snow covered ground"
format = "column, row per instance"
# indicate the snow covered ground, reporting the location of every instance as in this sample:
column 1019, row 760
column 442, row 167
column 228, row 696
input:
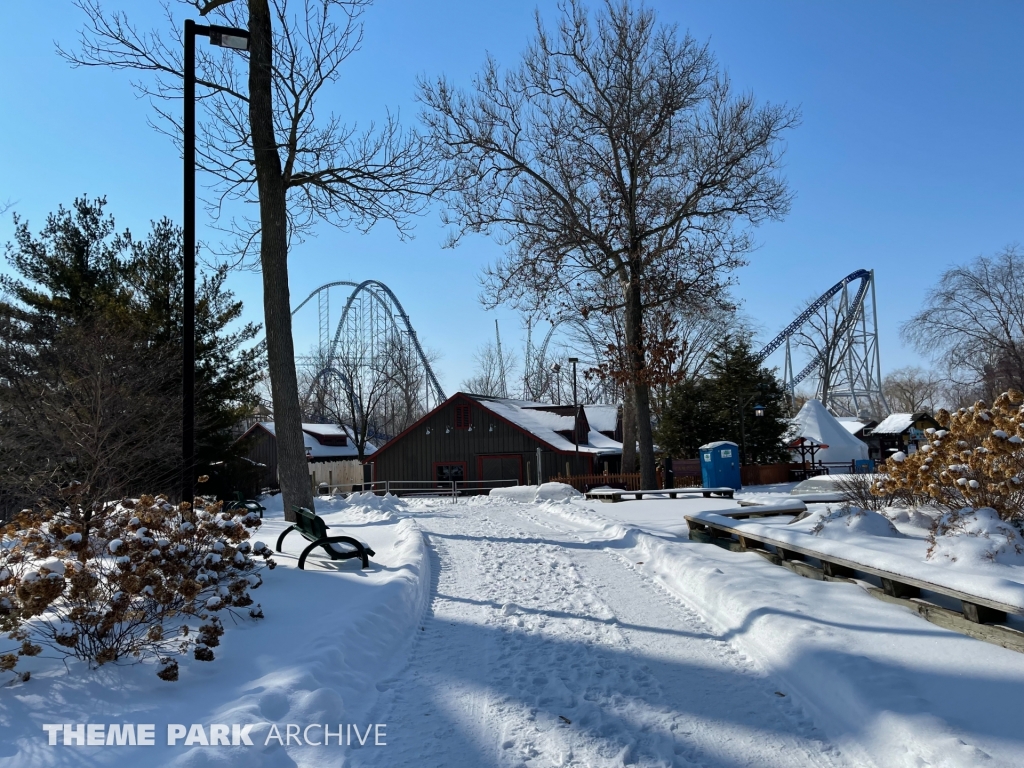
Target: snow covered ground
column 504, row 632
column 329, row 634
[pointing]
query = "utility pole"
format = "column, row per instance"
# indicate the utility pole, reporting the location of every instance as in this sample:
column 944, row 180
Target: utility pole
column 576, row 406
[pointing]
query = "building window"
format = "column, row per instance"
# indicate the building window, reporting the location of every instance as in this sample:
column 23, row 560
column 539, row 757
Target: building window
column 446, row 473
column 462, row 417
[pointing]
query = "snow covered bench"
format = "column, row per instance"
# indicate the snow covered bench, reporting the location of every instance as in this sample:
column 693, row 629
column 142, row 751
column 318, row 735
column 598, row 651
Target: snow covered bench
column 314, row 529
column 616, row 494
column 984, row 599
column 240, row 502
column 748, row 509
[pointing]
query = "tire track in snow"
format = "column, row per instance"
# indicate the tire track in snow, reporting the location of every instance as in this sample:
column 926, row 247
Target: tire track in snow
column 527, row 623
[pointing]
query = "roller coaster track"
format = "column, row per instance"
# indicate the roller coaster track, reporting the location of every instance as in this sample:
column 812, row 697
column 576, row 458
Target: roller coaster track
column 858, row 357
column 393, row 309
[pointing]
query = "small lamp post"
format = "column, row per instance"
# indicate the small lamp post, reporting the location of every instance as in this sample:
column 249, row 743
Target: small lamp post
column 225, row 37
column 759, row 410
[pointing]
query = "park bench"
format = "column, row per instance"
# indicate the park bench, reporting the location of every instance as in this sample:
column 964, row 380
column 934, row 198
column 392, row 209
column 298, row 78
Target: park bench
column 314, row 529
column 240, row 502
column 980, row 617
column 616, row 494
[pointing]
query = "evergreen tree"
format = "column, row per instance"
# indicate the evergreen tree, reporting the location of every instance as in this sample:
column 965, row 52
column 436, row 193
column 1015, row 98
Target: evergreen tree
column 701, row 411
column 91, row 358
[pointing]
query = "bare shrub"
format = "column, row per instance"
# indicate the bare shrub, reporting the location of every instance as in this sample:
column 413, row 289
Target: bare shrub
column 860, row 491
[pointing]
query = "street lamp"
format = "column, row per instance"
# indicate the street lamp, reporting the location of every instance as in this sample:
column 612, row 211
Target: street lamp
column 744, row 401
column 575, row 404
column 557, row 370
column 225, row 37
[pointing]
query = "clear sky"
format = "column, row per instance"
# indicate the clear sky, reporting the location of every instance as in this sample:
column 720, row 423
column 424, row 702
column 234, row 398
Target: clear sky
column 910, row 156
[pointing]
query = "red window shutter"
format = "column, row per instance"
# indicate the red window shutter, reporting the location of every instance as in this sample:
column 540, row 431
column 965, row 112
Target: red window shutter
column 462, row 417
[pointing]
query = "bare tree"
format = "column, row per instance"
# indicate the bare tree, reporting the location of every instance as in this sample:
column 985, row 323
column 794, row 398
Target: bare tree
column 912, row 389
column 263, row 141
column 615, row 153
column 823, row 335
column 972, row 325
column 375, row 390
column 493, row 372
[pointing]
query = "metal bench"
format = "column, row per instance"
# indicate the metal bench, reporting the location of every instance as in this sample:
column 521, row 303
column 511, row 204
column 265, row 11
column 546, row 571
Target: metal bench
column 980, row 617
column 240, row 502
column 616, row 494
column 314, row 529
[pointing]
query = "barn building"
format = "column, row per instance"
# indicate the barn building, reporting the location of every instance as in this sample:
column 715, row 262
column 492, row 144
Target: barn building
column 330, row 453
column 474, row 439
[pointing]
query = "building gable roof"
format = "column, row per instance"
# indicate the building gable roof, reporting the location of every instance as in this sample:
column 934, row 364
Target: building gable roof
column 314, row 447
column 539, row 421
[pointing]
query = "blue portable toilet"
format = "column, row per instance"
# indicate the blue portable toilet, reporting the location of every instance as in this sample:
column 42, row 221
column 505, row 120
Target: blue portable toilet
column 863, row 466
column 720, row 465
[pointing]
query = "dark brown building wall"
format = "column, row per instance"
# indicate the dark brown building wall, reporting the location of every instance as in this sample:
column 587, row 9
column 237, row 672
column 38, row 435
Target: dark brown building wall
column 414, row 456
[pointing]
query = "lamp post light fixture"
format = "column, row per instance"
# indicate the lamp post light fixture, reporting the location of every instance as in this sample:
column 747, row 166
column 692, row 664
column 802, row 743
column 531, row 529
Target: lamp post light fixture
column 744, row 401
column 225, row 37
column 557, row 370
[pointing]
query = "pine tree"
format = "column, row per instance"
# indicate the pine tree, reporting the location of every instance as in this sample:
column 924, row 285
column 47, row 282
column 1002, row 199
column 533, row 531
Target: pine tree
column 701, row 411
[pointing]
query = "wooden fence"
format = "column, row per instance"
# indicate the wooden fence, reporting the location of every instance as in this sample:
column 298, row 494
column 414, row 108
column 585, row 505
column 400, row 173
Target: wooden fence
column 583, row 483
column 686, row 473
column 766, row 474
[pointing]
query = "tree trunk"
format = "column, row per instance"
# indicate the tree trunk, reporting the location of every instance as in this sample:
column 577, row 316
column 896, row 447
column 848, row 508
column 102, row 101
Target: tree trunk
column 628, row 431
column 637, row 374
column 293, row 472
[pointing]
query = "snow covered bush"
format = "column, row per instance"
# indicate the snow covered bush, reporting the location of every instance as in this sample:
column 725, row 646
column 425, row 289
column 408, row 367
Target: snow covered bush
column 150, row 581
column 976, row 460
column 970, row 536
column 841, row 522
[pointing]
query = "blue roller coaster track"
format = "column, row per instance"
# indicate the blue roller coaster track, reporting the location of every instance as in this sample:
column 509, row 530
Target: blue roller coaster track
column 855, row 337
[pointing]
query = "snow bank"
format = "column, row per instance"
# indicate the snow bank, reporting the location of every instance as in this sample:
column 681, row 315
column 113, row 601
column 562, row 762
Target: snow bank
column 366, row 503
column 844, row 522
column 528, row 494
column 913, row 518
column 972, row 537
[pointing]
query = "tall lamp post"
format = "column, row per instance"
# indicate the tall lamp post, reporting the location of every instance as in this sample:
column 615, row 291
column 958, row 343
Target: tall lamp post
column 758, row 412
column 225, row 37
column 576, row 411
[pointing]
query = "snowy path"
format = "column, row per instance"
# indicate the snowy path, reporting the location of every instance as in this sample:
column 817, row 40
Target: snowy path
column 528, row 624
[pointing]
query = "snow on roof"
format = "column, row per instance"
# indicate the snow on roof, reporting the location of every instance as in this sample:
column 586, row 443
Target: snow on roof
column 718, row 443
column 546, row 425
column 602, row 417
column 816, row 422
column 894, row 424
column 318, row 451
column 851, row 424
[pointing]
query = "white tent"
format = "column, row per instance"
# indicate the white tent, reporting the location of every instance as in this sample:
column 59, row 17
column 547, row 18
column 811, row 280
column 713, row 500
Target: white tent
column 816, row 422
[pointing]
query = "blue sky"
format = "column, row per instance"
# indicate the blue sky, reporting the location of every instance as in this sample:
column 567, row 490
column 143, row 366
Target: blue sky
column 910, row 156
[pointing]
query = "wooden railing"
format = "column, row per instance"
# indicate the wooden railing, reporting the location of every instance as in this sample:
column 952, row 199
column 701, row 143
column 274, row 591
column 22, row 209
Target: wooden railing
column 583, row 483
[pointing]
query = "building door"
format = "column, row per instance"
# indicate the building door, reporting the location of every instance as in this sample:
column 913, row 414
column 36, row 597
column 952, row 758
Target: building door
column 508, row 467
